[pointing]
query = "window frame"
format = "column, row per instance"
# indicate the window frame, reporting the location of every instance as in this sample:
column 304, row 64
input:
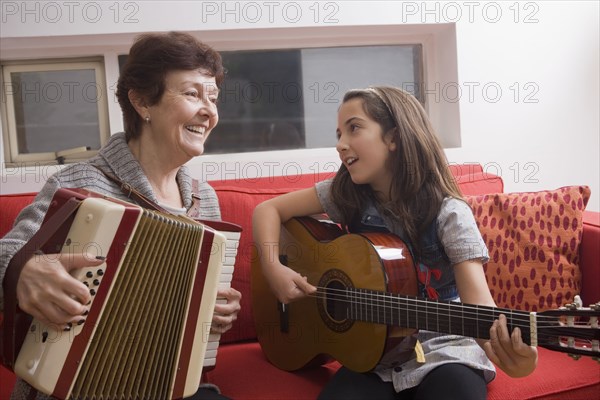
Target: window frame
column 11, row 149
column 329, row 90
column 440, row 65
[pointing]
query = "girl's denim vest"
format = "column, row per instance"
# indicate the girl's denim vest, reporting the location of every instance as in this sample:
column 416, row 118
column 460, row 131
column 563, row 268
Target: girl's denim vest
column 434, row 271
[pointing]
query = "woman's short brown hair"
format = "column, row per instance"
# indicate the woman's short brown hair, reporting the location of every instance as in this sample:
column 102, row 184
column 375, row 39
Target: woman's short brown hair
column 150, row 58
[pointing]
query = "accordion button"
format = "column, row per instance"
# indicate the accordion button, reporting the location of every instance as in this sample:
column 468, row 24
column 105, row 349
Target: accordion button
column 89, row 274
column 96, row 282
column 92, row 292
column 100, row 272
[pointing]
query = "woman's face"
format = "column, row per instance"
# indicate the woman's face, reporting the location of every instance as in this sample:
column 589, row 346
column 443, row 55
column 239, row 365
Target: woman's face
column 362, row 147
column 186, row 114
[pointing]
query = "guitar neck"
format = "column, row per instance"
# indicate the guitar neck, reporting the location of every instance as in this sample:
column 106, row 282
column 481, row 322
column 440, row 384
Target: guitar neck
column 435, row 315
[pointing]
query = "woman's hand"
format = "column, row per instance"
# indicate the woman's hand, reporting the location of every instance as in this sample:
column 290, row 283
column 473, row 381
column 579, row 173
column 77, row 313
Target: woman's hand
column 226, row 313
column 287, row 284
column 47, row 291
column 509, row 352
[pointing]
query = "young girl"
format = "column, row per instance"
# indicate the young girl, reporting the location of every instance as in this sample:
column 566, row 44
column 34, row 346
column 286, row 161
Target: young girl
column 394, row 176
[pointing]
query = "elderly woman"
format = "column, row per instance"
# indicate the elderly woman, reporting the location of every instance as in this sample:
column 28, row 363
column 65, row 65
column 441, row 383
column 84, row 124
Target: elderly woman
column 168, row 91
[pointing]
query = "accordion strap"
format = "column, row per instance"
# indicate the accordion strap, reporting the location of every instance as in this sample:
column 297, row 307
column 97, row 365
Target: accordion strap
column 10, row 347
column 194, row 211
column 131, row 193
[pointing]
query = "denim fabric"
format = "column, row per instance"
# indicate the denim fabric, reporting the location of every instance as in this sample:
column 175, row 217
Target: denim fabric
column 433, row 266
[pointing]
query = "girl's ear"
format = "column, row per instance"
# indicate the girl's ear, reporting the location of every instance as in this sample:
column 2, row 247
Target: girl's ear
column 390, row 139
column 138, row 103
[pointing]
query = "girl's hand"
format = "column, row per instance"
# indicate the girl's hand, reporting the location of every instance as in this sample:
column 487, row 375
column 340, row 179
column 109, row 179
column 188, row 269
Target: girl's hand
column 47, row 291
column 225, row 314
column 509, row 352
column 287, row 284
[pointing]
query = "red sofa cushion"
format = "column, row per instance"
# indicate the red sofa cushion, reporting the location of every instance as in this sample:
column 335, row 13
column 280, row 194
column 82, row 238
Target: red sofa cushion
column 237, row 198
column 243, row 372
column 7, row 382
column 533, row 239
column 572, row 380
column 12, row 204
column 557, row 377
column 589, row 251
column 480, row 183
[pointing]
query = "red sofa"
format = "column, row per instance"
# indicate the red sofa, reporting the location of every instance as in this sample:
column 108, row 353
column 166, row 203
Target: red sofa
column 242, row 372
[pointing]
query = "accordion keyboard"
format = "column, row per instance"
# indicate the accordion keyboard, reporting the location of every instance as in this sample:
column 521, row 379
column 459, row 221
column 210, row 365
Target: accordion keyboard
column 231, row 248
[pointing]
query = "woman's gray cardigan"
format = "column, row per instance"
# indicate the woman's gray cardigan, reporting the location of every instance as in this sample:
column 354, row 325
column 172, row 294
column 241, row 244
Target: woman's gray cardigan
column 115, row 158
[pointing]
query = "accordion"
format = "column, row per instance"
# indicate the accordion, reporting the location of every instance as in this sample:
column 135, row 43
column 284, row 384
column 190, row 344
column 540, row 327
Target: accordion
column 147, row 333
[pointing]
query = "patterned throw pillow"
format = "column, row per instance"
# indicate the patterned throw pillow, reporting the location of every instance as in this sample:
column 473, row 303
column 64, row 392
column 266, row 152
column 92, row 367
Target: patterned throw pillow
column 533, row 240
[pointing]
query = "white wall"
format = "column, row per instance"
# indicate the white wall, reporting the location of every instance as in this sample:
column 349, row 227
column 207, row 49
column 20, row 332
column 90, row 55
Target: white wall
column 527, row 87
column 550, row 139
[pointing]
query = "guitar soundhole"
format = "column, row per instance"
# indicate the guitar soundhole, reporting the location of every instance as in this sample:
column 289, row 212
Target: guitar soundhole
column 334, row 305
column 336, row 301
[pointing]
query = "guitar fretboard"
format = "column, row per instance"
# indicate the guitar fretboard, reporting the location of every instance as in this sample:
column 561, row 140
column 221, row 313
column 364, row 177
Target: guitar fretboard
column 432, row 315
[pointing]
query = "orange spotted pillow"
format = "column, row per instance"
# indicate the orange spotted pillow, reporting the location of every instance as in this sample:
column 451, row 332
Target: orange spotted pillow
column 533, row 240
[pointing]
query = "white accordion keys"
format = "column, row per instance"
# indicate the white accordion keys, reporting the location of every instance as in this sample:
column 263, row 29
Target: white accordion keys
column 229, row 255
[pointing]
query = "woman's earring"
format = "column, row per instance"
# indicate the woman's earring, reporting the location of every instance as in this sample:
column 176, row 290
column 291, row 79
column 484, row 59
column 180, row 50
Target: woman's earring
column 147, row 119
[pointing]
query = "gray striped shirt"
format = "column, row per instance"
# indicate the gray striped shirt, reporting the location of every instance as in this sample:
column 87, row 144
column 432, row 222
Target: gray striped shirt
column 115, row 158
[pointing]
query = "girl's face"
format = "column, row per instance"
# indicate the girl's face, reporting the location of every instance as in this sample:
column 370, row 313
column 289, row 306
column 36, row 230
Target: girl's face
column 186, row 114
column 363, row 148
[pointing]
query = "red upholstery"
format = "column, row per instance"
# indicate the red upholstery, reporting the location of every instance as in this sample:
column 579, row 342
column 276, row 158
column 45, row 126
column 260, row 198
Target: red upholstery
column 11, row 205
column 557, row 376
column 242, row 372
column 590, row 259
column 551, row 380
column 236, row 198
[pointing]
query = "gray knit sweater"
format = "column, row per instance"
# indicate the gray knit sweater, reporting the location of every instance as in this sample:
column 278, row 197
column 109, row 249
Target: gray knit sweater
column 115, row 158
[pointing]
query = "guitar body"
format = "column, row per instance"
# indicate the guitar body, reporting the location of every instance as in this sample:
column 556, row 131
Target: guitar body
column 303, row 332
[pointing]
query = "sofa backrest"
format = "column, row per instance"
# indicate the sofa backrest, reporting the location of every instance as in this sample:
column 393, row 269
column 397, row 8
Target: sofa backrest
column 10, row 206
column 238, row 198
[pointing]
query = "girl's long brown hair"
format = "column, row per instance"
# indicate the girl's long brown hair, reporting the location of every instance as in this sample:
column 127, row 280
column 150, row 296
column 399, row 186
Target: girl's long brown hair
column 421, row 177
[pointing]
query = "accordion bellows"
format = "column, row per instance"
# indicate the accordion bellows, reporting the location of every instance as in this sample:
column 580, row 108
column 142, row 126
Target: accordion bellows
column 146, row 334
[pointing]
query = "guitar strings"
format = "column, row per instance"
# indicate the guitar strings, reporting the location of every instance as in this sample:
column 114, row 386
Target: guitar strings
column 541, row 337
column 381, row 300
column 363, row 299
column 363, row 293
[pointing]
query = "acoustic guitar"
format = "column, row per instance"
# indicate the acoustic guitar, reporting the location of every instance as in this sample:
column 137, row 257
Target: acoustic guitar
column 366, row 301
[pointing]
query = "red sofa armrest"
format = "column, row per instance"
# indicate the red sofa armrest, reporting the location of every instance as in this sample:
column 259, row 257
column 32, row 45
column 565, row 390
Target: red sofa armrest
column 589, row 258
